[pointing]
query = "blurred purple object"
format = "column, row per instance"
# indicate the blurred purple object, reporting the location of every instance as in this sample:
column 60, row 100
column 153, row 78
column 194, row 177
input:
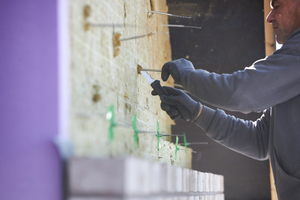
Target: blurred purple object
column 30, row 167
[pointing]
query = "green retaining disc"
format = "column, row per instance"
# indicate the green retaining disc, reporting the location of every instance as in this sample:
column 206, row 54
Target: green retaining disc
column 110, row 116
column 185, row 143
column 176, row 148
column 158, row 135
column 135, row 136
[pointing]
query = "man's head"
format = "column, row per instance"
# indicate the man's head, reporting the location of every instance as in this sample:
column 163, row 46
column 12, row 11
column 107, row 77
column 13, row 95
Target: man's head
column 285, row 18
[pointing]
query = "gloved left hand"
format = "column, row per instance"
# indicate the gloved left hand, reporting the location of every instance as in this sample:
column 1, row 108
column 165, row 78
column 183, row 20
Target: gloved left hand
column 179, row 105
column 178, row 69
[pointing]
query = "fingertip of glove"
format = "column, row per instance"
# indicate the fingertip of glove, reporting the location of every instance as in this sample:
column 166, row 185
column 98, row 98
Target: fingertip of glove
column 165, row 75
column 153, row 92
column 165, row 71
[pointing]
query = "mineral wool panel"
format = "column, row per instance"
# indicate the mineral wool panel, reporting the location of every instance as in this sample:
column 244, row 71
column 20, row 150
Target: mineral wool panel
column 104, row 73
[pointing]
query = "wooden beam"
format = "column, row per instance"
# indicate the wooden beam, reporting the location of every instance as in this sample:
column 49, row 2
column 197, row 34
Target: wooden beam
column 269, row 48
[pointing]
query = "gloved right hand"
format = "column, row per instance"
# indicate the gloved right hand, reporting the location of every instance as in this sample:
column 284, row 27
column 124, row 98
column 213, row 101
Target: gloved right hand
column 179, row 105
column 177, row 68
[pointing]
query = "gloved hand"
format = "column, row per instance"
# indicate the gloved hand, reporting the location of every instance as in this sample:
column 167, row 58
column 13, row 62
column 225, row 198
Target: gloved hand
column 177, row 68
column 179, row 105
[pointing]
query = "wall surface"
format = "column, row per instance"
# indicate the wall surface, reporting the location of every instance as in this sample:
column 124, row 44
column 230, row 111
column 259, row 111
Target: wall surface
column 104, row 72
column 29, row 163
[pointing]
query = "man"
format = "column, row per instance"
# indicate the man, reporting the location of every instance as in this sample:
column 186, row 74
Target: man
column 271, row 85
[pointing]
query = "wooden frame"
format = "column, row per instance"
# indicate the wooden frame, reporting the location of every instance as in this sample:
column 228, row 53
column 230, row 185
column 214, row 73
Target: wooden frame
column 269, row 48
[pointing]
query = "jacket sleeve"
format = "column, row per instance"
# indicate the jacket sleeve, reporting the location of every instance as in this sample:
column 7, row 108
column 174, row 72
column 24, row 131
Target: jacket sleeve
column 266, row 83
column 250, row 138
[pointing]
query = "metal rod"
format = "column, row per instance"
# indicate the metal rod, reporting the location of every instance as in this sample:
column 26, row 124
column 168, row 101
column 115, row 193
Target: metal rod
column 128, row 126
column 132, row 38
column 162, row 13
column 136, row 37
column 188, row 150
column 107, row 25
column 172, row 135
column 112, row 25
column 150, row 132
column 141, row 131
column 181, row 26
column 153, row 70
column 194, row 143
column 177, row 85
column 123, row 124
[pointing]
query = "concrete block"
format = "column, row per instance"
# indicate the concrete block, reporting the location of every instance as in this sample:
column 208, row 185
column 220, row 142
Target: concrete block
column 211, row 182
column 156, row 198
column 167, row 178
column 164, row 178
column 178, row 179
column 170, row 179
column 111, row 198
column 155, row 178
column 218, row 183
column 130, row 177
column 108, row 177
column 206, row 182
column 182, row 198
column 221, row 183
column 191, row 198
column 217, row 187
column 220, row 197
column 169, row 198
column 186, row 179
column 137, row 177
column 209, row 197
column 201, row 182
column 193, row 181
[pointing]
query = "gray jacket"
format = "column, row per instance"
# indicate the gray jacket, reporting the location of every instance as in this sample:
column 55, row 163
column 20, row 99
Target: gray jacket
column 271, row 85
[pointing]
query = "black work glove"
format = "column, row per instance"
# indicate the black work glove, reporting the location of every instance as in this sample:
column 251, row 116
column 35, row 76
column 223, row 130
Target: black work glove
column 177, row 68
column 179, row 105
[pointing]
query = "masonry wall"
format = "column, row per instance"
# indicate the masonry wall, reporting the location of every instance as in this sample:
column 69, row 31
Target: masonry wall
column 104, row 73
